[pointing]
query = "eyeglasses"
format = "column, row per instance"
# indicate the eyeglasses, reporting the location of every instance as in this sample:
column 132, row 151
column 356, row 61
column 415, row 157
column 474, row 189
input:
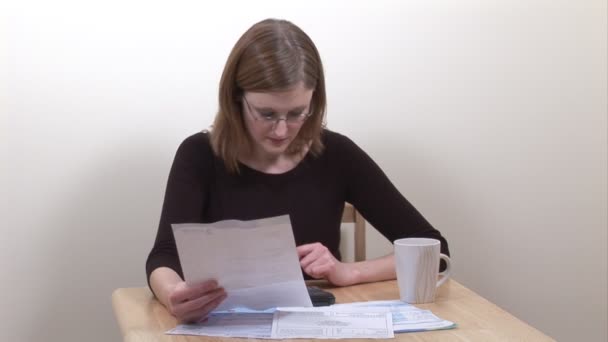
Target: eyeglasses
column 272, row 118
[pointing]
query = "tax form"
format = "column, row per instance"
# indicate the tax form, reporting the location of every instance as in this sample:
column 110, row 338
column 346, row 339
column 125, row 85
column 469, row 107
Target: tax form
column 351, row 320
column 406, row 317
column 328, row 322
column 255, row 261
column 281, row 323
column 230, row 324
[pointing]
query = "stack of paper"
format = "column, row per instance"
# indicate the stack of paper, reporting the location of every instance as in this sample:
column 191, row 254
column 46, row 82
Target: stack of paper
column 376, row 319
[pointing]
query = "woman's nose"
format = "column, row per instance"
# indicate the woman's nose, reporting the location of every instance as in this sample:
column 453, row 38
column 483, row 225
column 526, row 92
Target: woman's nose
column 280, row 127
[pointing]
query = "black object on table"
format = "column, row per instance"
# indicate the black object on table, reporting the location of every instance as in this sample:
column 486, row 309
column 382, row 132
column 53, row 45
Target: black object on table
column 320, row 297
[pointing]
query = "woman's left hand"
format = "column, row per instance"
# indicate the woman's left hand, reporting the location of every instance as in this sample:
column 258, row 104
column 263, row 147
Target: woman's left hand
column 318, row 262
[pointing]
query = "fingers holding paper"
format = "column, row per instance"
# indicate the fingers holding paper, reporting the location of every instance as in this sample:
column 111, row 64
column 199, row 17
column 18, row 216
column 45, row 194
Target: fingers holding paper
column 318, row 262
column 194, row 303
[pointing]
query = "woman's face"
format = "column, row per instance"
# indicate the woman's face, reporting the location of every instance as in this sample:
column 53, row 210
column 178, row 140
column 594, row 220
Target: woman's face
column 274, row 119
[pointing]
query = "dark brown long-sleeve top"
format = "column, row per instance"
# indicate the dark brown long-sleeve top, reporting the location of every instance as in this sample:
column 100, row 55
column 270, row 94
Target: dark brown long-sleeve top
column 200, row 189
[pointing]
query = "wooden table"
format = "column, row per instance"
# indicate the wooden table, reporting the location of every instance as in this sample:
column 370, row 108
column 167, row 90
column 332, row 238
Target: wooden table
column 142, row 318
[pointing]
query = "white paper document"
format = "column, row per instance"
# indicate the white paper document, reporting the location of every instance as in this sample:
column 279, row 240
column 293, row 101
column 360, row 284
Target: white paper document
column 320, row 322
column 406, row 317
column 324, row 322
column 255, row 261
column 259, row 324
column 230, row 324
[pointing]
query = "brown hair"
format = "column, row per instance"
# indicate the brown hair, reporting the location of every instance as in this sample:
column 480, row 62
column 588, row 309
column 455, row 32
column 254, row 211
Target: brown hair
column 273, row 55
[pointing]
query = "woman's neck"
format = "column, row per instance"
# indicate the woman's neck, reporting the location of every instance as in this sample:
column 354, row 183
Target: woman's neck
column 273, row 164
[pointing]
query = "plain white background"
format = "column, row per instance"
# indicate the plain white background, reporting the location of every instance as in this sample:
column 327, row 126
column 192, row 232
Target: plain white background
column 490, row 117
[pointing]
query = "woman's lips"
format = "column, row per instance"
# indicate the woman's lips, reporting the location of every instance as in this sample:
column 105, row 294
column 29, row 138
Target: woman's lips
column 278, row 142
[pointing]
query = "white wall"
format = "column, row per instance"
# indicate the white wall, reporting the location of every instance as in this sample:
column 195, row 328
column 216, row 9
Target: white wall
column 490, row 116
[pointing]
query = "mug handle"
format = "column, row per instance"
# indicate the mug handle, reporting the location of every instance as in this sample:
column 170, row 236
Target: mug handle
column 446, row 272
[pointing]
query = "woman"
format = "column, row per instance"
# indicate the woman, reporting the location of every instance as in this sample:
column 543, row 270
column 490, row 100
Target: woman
column 268, row 154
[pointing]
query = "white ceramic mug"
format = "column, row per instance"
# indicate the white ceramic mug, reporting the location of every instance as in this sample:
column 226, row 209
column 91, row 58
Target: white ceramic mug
column 417, row 265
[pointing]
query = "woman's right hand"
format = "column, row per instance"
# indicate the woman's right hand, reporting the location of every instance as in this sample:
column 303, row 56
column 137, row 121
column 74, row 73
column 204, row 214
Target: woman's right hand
column 194, row 303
